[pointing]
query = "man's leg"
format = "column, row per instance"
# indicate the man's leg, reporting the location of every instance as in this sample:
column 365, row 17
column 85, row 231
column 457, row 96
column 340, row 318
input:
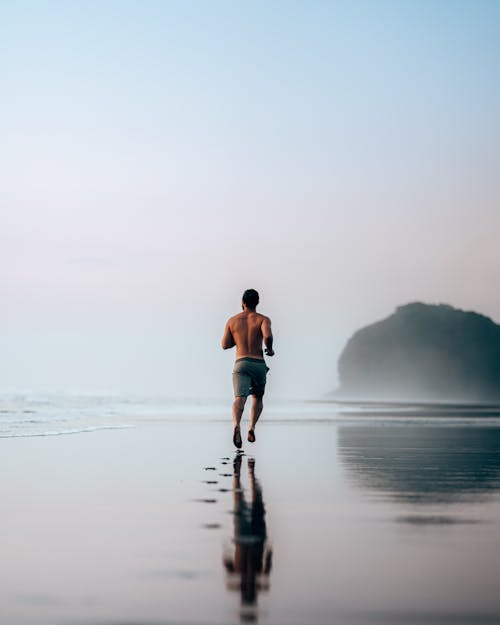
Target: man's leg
column 238, row 406
column 257, row 405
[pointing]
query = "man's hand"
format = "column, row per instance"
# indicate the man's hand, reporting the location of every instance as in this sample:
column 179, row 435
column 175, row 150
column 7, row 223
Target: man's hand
column 269, row 352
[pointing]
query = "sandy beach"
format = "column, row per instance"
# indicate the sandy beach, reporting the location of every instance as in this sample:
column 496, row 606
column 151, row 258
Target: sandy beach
column 326, row 519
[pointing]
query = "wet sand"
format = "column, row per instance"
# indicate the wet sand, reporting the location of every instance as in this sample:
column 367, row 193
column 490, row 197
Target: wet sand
column 321, row 521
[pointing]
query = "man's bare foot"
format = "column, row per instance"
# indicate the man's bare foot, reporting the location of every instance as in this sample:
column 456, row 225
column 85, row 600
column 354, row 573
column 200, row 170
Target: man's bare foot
column 251, row 436
column 237, row 437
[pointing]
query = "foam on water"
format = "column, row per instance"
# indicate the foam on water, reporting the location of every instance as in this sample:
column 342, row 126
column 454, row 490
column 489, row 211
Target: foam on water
column 69, row 431
column 24, row 415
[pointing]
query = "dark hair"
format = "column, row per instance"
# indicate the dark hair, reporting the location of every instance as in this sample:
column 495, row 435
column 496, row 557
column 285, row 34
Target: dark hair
column 251, row 298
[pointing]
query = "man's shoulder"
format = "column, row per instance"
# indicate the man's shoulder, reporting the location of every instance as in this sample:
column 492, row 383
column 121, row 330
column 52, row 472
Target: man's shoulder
column 242, row 316
column 235, row 318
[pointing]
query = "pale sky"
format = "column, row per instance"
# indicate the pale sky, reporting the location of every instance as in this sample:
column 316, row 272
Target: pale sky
column 158, row 158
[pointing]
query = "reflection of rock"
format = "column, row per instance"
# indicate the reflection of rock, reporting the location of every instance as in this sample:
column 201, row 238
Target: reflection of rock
column 423, row 463
column 424, row 352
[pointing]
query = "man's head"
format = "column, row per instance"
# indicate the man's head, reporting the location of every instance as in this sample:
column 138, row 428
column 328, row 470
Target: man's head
column 250, row 299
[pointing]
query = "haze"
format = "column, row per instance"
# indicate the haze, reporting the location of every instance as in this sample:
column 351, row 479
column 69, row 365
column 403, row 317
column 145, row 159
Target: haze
column 159, row 158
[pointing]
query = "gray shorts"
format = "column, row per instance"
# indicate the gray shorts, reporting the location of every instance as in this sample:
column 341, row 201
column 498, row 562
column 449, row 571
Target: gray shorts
column 249, row 377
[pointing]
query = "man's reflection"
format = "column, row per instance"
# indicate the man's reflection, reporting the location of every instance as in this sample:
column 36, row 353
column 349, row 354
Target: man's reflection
column 248, row 562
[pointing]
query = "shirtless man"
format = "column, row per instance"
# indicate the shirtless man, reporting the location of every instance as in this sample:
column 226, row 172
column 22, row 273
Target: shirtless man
column 247, row 331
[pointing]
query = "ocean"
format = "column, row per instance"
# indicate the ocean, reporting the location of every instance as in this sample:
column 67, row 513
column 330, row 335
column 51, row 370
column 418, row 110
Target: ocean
column 31, row 414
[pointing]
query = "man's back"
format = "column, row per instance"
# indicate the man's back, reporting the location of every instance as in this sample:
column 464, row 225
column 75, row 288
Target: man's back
column 249, row 328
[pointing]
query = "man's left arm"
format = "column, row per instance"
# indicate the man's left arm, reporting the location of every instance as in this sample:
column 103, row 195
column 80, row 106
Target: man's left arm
column 267, row 335
column 227, row 339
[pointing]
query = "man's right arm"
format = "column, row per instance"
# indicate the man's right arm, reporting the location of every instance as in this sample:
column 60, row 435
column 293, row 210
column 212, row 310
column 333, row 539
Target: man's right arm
column 227, row 339
column 267, row 335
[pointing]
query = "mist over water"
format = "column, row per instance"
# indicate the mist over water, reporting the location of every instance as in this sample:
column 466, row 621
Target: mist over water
column 159, row 161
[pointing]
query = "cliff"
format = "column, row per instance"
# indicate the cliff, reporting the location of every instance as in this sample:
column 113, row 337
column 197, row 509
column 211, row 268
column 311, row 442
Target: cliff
column 424, row 352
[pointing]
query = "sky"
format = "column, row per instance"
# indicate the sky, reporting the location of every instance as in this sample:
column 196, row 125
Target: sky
column 158, row 158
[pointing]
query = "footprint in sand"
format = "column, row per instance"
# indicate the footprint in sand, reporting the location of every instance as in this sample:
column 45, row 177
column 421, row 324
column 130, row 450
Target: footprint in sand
column 211, row 526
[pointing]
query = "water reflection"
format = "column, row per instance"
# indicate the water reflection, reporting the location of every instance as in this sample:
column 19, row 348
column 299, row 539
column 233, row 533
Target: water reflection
column 423, row 463
column 249, row 559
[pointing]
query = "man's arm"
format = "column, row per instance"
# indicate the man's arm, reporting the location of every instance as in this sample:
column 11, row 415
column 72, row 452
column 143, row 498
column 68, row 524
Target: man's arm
column 228, row 339
column 267, row 335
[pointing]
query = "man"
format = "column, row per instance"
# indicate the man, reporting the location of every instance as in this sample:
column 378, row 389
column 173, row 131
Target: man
column 247, row 331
